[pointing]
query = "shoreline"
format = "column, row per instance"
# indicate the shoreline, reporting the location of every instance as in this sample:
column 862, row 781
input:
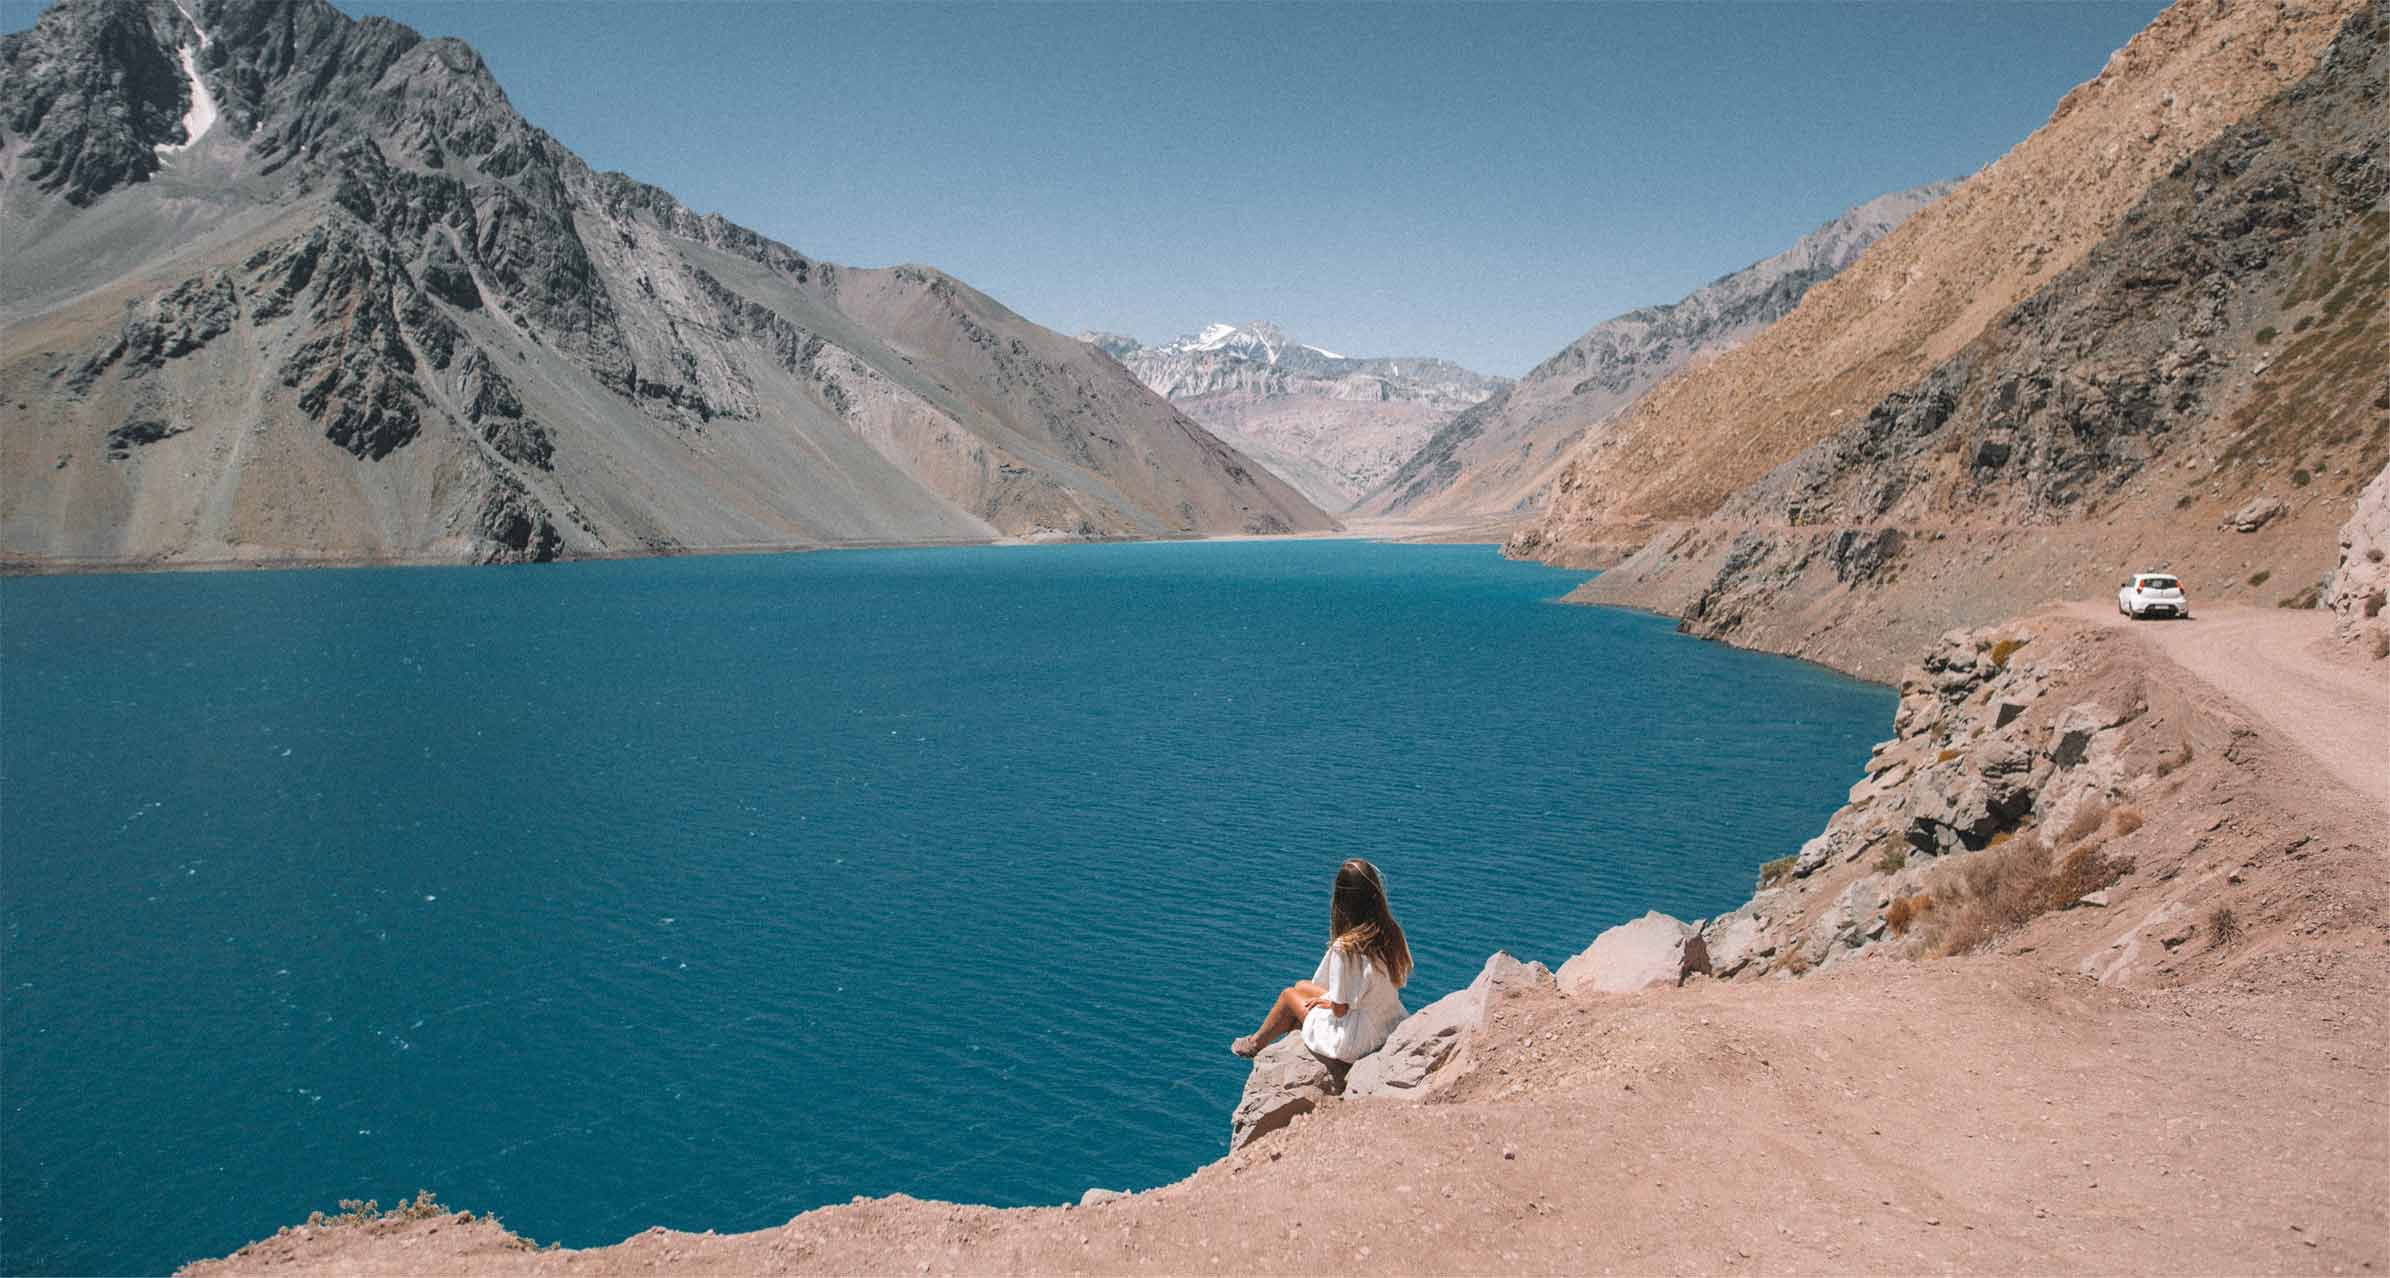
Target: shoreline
column 1364, row 529
column 1360, row 530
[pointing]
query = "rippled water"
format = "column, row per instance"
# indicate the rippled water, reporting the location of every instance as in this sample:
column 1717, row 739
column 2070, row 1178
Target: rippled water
column 700, row 892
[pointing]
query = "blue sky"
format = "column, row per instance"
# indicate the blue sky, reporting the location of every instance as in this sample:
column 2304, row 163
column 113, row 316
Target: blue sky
column 1483, row 181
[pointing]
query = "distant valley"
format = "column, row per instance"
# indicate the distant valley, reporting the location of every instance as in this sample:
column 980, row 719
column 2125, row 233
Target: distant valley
column 1332, row 425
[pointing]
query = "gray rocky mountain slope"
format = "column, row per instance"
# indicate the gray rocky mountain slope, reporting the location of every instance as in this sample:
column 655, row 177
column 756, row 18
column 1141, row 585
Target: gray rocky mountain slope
column 370, row 312
column 1334, row 426
column 1497, row 458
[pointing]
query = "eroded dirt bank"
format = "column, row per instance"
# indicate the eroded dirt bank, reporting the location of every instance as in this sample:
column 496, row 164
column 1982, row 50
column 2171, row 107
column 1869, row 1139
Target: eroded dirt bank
column 2188, row 1075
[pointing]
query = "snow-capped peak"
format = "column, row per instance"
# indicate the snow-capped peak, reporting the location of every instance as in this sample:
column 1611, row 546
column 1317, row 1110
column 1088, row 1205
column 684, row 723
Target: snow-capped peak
column 1213, row 337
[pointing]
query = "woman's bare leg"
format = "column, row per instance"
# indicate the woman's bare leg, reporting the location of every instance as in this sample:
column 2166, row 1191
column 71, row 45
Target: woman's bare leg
column 1285, row 1015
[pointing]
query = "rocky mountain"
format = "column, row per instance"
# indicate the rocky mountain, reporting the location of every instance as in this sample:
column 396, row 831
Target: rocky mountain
column 2205, row 389
column 1936, row 282
column 286, row 285
column 1333, row 425
column 1499, row 457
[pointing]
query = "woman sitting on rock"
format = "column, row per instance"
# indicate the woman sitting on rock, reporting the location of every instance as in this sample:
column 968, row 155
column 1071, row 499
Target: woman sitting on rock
column 1354, row 1000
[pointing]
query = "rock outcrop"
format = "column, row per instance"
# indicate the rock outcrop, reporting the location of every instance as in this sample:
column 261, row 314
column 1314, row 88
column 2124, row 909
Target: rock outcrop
column 1435, row 1037
column 414, row 326
column 2035, row 729
column 1288, row 1080
column 2361, row 583
column 1654, row 950
column 1332, row 425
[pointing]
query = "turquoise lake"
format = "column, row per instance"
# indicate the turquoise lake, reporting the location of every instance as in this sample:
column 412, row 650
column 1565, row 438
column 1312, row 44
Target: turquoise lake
column 700, row 892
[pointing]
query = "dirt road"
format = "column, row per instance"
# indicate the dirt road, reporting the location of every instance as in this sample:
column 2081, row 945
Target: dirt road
column 2283, row 666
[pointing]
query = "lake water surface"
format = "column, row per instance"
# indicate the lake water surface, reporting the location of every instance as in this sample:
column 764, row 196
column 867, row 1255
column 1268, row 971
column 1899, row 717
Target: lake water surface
column 700, row 892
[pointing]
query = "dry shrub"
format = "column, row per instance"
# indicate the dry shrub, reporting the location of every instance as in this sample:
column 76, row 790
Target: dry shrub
column 2222, row 925
column 2125, row 820
column 2081, row 872
column 367, row 1212
column 1984, row 895
column 2087, row 818
column 1775, row 870
column 1792, row 962
column 1906, row 910
column 2381, row 644
column 2173, row 763
column 1947, row 755
column 1893, row 860
column 2005, row 649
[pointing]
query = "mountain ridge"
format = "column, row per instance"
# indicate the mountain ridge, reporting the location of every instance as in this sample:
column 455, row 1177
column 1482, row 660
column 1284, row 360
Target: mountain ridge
column 375, row 313
column 2198, row 388
column 1930, row 286
column 1497, row 458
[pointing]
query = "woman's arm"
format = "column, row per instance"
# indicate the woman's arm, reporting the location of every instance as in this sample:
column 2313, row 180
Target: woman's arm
column 1344, row 981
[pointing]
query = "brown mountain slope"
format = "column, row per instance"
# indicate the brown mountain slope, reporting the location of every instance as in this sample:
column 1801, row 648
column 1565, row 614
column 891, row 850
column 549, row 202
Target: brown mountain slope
column 2206, row 391
column 369, row 312
column 1931, row 286
column 1497, row 458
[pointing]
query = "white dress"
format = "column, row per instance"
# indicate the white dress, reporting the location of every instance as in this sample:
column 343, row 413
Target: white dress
column 1373, row 1007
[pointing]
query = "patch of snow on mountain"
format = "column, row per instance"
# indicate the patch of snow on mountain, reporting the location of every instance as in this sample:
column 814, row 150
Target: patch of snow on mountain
column 1213, row 337
column 202, row 115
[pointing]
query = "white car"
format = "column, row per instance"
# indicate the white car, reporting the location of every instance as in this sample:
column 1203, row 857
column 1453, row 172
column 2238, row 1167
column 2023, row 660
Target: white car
column 2153, row 594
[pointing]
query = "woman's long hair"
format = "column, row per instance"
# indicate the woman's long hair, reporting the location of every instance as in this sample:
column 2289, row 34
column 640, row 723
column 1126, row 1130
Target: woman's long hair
column 1359, row 919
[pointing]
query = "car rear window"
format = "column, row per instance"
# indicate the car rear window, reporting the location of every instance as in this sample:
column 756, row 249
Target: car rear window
column 2157, row 583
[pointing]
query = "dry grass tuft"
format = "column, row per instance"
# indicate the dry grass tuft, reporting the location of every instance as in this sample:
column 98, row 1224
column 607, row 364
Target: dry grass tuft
column 2125, row 820
column 1894, row 859
column 1984, row 895
column 2087, row 818
column 1906, row 910
column 2222, row 925
column 2173, row 763
column 1948, row 754
column 2005, row 649
column 369, row 1211
column 1775, row 870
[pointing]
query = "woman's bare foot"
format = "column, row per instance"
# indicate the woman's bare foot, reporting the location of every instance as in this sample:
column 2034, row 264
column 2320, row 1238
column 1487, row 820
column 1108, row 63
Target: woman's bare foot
column 1248, row 1047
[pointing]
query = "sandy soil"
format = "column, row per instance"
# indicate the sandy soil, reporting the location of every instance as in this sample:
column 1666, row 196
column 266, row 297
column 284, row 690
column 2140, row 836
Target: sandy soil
column 2223, row 1108
column 2284, row 665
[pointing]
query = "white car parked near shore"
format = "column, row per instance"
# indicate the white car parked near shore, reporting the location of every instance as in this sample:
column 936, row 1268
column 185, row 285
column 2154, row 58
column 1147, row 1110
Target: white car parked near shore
column 2153, row 594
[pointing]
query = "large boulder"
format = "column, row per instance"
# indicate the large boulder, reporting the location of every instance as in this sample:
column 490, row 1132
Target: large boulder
column 1652, row 950
column 1851, row 920
column 1287, row 1080
column 1432, row 1037
column 2360, row 586
column 1737, row 940
column 2256, row 513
